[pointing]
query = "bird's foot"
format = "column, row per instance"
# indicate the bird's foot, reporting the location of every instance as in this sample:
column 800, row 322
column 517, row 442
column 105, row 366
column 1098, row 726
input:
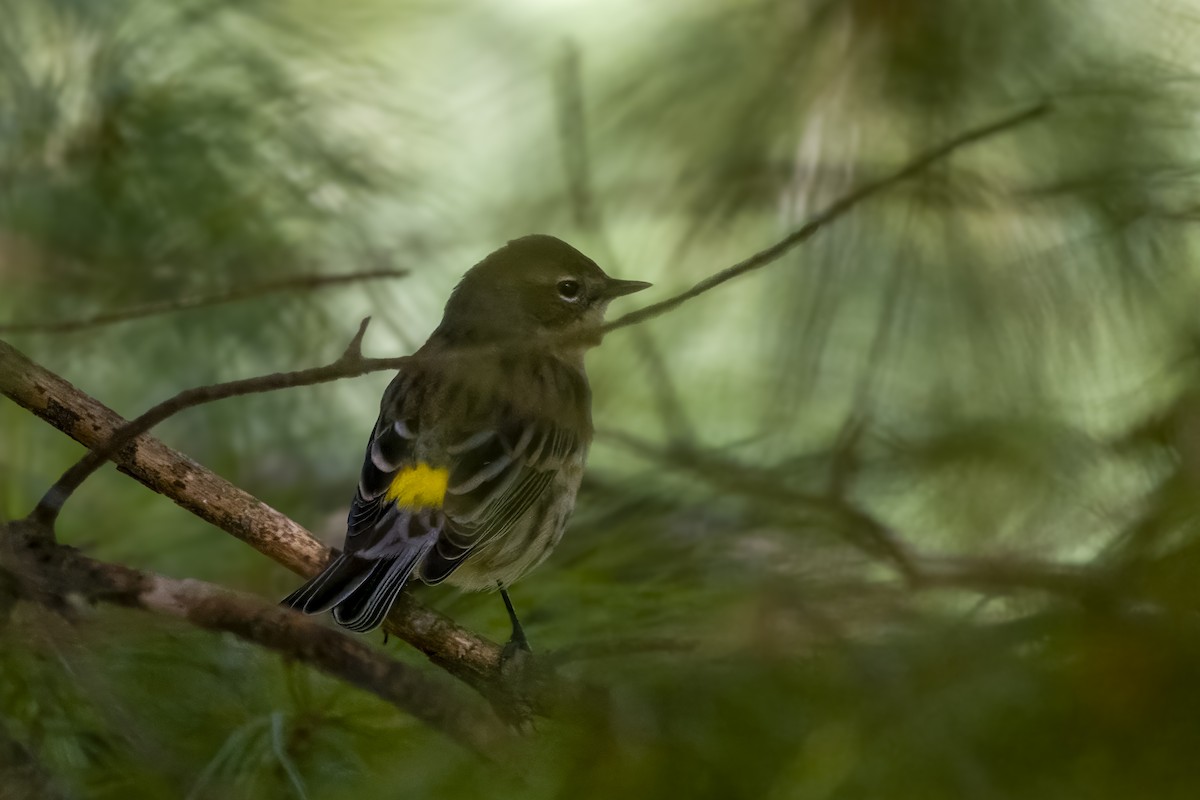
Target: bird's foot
column 518, row 677
column 515, row 656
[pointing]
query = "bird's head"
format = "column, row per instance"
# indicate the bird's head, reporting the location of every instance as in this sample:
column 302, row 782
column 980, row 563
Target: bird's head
column 534, row 285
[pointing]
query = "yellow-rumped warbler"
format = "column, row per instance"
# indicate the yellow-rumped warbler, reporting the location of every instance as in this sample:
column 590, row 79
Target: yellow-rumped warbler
column 472, row 468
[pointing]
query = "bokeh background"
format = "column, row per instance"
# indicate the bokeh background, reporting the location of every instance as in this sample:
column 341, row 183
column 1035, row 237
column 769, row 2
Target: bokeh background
column 911, row 513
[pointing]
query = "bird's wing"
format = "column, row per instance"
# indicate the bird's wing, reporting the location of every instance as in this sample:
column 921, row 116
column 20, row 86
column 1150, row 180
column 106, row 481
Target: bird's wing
column 496, row 476
column 410, row 513
column 394, row 520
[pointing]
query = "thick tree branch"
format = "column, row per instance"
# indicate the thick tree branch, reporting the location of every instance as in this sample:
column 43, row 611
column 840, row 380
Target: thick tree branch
column 306, row 282
column 465, row 655
column 48, row 573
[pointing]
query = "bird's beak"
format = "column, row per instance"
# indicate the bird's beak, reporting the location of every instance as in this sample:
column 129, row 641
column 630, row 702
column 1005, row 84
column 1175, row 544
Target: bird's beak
column 618, row 288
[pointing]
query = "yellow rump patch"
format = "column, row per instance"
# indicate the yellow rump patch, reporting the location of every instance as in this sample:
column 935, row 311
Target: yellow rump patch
column 419, row 486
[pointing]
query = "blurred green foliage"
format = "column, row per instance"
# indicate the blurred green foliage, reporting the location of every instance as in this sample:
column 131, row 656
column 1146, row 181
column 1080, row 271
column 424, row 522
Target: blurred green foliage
column 993, row 365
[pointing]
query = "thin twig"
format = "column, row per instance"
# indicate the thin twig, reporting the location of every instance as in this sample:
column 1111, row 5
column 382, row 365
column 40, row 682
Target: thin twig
column 765, row 486
column 349, row 364
column 306, row 282
column 920, row 572
column 1090, row 585
column 572, row 136
column 837, row 209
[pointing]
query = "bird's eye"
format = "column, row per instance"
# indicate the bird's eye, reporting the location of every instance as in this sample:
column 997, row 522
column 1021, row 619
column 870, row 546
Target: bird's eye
column 568, row 290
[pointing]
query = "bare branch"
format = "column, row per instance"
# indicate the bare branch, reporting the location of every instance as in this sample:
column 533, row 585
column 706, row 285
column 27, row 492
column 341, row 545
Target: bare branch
column 292, row 283
column 159, row 467
column 349, row 364
column 50, row 573
column 465, row 655
column 837, row 209
column 354, row 349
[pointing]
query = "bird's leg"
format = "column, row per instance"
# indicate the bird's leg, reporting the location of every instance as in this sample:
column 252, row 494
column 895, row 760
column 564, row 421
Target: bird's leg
column 517, row 641
column 516, row 673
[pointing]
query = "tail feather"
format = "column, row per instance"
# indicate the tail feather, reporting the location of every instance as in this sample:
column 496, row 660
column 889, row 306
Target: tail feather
column 364, row 609
column 331, row 586
column 360, row 591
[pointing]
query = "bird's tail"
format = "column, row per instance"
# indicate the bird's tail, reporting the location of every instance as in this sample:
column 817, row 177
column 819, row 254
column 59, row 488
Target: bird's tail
column 360, row 591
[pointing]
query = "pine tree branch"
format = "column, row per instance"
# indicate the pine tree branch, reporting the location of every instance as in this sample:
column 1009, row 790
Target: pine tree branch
column 352, row 363
column 302, row 282
column 52, row 574
column 835, row 210
column 467, row 656
column 349, row 364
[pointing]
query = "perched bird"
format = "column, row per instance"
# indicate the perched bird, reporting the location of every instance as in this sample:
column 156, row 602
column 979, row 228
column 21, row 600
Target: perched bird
column 471, row 470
